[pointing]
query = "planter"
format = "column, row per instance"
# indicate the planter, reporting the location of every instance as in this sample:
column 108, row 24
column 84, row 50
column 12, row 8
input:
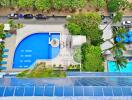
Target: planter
column 73, row 69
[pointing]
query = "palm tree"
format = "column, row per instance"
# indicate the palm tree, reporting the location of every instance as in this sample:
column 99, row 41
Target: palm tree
column 118, row 48
column 121, row 62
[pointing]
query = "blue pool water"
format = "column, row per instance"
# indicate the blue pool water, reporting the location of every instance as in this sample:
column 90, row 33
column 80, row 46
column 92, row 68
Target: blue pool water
column 112, row 67
column 33, row 47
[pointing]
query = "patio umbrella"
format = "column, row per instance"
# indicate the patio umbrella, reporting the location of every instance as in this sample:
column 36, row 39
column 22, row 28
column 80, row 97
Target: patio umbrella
column 129, row 33
column 130, row 39
column 126, row 39
column 118, row 39
column 1, row 40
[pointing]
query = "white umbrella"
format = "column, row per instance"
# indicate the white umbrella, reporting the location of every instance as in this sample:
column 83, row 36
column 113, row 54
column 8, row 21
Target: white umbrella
column 1, row 40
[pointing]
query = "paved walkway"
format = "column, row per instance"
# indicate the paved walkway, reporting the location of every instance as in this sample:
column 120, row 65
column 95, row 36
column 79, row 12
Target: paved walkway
column 10, row 44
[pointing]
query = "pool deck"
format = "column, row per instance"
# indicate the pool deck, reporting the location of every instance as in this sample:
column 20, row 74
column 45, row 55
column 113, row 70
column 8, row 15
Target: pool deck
column 31, row 29
column 64, row 58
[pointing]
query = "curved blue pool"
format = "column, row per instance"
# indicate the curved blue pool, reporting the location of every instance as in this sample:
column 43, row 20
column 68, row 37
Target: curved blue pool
column 33, row 47
column 112, row 67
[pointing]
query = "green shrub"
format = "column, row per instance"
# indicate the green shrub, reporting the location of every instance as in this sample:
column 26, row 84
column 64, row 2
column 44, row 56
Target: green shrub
column 98, row 3
column 42, row 4
column 74, row 29
column 116, row 5
column 39, row 73
column 22, row 74
column 113, row 5
column 25, row 3
column 92, row 58
column 85, row 24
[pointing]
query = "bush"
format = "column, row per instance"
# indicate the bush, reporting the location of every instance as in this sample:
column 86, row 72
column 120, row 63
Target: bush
column 98, row 3
column 25, row 3
column 116, row 5
column 73, row 4
column 74, row 29
column 22, row 74
column 91, row 58
column 117, row 17
column 73, row 68
column 113, row 5
column 85, row 24
column 42, row 4
column 40, row 71
column 58, row 4
column 130, row 6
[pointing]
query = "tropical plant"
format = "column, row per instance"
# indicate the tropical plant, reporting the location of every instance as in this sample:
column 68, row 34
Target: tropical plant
column 25, row 3
column 2, row 3
column 2, row 35
column 42, row 4
column 1, row 46
column 92, row 59
column 57, row 4
column 124, row 4
column 73, row 4
column 98, row 3
column 20, row 25
column 113, row 5
column 121, row 62
column 117, row 17
column 74, row 28
column 85, row 24
column 12, row 23
column 130, row 6
column 116, row 5
column 118, row 48
column 40, row 70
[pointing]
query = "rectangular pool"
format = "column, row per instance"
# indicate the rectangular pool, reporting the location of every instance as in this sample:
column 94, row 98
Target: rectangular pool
column 112, row 67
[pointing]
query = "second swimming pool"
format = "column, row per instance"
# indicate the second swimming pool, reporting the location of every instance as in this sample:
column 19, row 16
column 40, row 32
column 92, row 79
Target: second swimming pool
column 33, row 47
column 112, row 67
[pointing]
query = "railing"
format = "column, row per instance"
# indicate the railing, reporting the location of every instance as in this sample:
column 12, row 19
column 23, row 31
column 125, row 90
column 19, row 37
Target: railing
column 65, row 91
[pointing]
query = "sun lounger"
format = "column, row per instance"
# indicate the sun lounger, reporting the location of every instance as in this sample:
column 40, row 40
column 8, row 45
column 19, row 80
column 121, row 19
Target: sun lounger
column 8, row 35
column 2, row 68
column 5, row 50
column 4, row 56
column 3, row 62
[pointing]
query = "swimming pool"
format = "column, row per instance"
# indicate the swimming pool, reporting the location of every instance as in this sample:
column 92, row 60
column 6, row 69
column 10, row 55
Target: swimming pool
column 33, row 47
column 112, row 67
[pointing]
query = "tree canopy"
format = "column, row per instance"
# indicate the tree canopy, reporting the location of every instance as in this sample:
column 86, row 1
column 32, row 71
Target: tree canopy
column 42, row 4
column 91, row 58
column 26, row 3
column 117, row 17
column 85, row 24
column 99, row 3
column 116, row 5
column 113, row 5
